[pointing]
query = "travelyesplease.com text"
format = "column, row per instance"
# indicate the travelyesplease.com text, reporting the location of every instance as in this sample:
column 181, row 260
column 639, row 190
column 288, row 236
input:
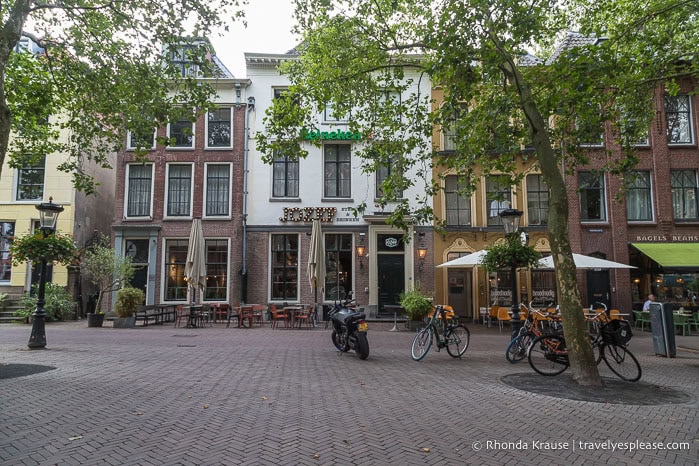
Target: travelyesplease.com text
column 581, row 445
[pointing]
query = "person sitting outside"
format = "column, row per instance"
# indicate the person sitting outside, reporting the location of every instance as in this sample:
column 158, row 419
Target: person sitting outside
column 646, row 305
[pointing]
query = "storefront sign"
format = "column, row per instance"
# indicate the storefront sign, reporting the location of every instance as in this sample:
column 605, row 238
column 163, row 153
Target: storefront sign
column 667, row 238
column 337, row 135
column 308, row 214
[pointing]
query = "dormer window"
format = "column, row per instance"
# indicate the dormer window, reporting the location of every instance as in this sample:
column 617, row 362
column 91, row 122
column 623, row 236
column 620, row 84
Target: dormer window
column 185, row 59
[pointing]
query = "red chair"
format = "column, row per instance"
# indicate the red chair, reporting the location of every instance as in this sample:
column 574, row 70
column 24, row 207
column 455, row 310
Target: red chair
column 221, row 311
column 277, row 316
column 306, row 317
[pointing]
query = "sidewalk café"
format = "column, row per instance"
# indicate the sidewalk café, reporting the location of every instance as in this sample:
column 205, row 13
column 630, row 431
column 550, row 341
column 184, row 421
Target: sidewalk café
column 670, row 271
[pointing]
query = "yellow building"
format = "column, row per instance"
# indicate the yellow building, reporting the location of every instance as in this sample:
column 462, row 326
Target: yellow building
column 471, row 223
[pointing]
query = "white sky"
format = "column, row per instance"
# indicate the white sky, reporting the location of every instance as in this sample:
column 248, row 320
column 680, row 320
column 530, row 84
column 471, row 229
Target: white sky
column 268, row 31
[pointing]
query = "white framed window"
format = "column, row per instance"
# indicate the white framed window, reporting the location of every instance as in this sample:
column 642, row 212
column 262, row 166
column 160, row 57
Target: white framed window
column 593, row 201
column 217, row 260
column 139, row 191
column 457, row 204
column 219, row 128
column 285, row 177
column 7, row 235
column 337, row 171
column 498, row 197
column 639, row 201
column 145, row 140
column 183, row 58
column 384, row 171
column 284, row 254
column 330, row 116
column 537, row 200
column 590, row 133
column 181, row 134
column 175, row 259
column 685, row 187
column 678, row 114
column 30, row 181
column 217, row 191
column 449, row 128
column 178, row 191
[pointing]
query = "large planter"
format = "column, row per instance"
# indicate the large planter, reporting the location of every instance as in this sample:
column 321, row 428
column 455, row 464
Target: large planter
column 125, row 322
column 95, row 320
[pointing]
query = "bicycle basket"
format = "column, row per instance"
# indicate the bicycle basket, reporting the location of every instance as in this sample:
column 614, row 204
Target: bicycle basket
column 616, row 332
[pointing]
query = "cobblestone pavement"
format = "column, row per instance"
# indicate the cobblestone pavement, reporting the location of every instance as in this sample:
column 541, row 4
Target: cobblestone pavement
column 214, row 396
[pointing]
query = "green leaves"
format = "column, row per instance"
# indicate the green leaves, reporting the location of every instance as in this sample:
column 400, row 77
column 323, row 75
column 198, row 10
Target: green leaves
column 503, row 254
column 102, row 73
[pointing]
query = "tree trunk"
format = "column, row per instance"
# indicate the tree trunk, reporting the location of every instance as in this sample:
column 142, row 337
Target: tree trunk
column 582, row 361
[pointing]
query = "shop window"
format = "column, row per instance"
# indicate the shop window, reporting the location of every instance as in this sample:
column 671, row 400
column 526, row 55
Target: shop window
column 216, row 270
column 175, row 260
column 285, row 269
column 7, row 235
column 338, row 265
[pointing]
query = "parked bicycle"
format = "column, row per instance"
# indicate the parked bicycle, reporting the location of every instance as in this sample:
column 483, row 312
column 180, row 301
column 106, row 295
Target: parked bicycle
column 536, row 323
column 548, row 354
column 443, row 326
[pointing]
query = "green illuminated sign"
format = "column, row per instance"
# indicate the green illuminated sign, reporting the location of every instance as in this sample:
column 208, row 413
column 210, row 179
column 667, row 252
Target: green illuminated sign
column 337, row 135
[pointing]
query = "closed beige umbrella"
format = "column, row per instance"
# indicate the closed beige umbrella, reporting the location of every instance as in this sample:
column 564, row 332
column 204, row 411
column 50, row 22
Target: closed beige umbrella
column 316, row 260
column 195, row 268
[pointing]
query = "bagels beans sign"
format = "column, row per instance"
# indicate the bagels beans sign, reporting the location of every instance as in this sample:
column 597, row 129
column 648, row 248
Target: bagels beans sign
column 336, row 135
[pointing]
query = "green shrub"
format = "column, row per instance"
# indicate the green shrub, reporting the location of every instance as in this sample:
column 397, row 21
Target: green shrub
column 416, row 305
column 59, row 303
column 128, row 300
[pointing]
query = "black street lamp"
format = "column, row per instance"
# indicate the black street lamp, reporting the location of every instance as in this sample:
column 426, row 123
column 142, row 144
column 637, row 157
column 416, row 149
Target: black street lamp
column 48, row 215
column 510, row 221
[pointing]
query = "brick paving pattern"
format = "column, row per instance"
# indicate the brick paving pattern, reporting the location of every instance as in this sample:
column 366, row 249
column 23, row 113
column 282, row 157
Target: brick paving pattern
column 214, row 396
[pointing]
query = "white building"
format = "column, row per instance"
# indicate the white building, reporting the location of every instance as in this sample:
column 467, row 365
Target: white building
column 283, row 198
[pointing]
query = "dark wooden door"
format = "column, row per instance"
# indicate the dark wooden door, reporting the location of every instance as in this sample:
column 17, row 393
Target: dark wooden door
column 391, row 272
column 598, row 288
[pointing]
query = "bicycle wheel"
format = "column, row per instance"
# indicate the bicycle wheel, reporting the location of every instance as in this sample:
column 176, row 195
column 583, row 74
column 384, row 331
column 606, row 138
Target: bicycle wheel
column 458, row 338
column 622, row 362
column 517, row 349
column 548, row 355
column 421, row 343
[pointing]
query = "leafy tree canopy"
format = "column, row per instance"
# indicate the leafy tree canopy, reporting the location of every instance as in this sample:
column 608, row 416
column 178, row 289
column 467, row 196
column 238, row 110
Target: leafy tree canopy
column 101, row 73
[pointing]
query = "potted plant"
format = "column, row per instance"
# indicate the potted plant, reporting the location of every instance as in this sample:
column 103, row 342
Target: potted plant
column 416, row 306
column 127, row 301
column 108, row 272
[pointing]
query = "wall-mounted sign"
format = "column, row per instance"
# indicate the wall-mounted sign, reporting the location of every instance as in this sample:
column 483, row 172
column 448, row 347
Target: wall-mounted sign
column 336, row 135
column 666, row 238
column 308, row 214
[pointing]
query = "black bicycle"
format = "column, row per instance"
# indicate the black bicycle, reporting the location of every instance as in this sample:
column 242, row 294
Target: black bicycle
column 445, row 328
column 548, row 354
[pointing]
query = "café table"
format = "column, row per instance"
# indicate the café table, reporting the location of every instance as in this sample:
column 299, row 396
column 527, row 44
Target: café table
column 293, row 311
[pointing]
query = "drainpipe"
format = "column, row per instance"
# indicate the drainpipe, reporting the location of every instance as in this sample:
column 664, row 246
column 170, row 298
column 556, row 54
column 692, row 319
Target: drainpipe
column 244, row 267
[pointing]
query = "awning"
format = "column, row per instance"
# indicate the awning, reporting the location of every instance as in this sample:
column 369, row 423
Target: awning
column 671, row 255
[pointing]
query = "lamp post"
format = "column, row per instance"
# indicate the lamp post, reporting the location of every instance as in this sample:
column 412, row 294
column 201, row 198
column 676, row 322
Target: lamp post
column 48, row 215
column 510, row 221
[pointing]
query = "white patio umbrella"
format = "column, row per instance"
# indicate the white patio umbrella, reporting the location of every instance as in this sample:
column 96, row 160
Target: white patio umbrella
column 586, row 262
column 195, row 267
column 469, row 260
column 316, row 260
